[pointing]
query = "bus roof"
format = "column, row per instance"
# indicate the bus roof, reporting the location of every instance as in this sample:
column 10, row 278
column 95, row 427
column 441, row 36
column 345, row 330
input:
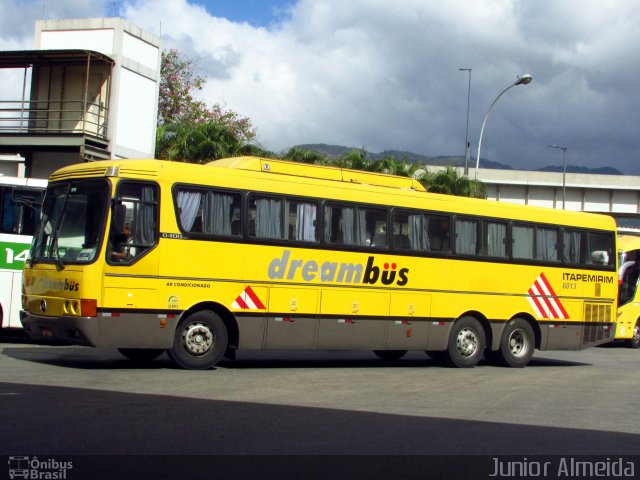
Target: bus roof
column 336, row 183
column 628, row 243
column 320, row 172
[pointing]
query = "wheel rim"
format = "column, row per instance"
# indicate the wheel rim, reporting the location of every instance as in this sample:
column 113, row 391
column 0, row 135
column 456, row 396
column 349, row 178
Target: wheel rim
column 467, row 342
column 518, row 343
column 636, row 334
column 197, row 339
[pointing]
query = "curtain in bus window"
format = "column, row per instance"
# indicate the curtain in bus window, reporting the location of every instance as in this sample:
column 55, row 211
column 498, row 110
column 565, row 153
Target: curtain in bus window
column 361, row 228
column 188, row 205
column 306, row 222
column 268, row 218
column 146, row 221
column 328, row 214
column 547, row 244
column 496, row 234
column 571, row 249
column 466, row 237
column 417, row 229
column 522, row 242
column 348, row 224
column 216, row 218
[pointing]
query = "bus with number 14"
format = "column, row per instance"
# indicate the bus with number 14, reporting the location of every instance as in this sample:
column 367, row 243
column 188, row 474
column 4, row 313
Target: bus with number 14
column 20, row 200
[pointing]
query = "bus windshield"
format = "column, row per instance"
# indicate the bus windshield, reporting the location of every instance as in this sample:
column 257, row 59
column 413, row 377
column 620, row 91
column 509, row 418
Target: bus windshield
column 73, row 219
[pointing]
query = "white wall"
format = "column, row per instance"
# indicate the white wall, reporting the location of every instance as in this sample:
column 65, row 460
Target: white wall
column 137, row 93
column 133, row 103
column 98, row 40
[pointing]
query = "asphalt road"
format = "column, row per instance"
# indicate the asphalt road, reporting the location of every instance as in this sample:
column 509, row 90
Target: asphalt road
column 79, row 401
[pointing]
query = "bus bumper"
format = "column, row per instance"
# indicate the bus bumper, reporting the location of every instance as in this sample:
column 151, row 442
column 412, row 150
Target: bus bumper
column 124, row 331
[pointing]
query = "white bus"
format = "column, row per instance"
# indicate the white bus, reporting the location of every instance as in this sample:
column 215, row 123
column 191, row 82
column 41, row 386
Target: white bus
column 20, row 200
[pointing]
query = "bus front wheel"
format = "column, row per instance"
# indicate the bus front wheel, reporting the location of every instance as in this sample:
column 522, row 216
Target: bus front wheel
column 199, row 341
column 466, row 343
column 517, row 343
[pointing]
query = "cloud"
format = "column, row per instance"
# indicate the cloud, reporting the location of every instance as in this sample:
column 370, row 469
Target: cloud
column 385, row 76
column 17, row 22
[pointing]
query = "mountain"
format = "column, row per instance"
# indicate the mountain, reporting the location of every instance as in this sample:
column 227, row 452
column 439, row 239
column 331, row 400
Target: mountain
column 336, row 151
column 576, row 169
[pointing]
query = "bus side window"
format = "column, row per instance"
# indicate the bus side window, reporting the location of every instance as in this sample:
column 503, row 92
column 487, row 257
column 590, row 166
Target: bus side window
column 547, row 244
column 522, row 237
column 136, row 207
column 574, row 246
column 467, row 236
column 601, row 247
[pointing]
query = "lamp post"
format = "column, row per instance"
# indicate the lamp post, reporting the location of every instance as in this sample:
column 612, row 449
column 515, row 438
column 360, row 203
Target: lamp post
column 466, row 138
column 523, row 80
column 564, row 171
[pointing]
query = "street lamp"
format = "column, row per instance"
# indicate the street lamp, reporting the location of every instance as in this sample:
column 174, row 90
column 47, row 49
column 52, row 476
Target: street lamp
column 523, row 80
column 466, row 138
column 564, row 171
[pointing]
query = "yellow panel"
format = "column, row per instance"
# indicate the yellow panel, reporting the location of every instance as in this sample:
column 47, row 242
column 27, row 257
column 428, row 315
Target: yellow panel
column 128, row 297
column 293, row 300
column 410, row 305
column 354, row 302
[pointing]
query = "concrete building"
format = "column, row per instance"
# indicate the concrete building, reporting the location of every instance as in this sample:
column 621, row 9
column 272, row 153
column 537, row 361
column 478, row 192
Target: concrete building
column 618, row 195
column 90, row 91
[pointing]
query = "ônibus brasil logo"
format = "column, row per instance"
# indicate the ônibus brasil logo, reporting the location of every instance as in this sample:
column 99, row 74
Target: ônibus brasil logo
column 387, row 273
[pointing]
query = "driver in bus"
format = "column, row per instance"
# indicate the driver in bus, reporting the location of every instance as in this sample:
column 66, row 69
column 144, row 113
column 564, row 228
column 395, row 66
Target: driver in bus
column 121, row 249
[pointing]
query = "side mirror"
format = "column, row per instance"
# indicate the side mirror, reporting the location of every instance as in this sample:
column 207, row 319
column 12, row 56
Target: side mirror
column 117, row 218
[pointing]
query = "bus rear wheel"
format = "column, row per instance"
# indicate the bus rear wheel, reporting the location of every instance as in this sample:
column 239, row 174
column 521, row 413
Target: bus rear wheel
column 199, row 341
column 517, row 343
column 466, row 343
column 390, row 354
column 635, row 340
column 141, row 355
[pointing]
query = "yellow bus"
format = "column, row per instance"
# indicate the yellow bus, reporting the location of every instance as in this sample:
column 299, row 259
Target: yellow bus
column 149, row 256
column 628, row 322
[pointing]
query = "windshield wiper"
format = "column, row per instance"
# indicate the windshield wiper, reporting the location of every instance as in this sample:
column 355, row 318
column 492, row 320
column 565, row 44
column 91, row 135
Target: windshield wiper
column 59, row 263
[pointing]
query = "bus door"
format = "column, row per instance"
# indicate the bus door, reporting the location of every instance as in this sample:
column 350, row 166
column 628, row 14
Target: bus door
column 132, row 259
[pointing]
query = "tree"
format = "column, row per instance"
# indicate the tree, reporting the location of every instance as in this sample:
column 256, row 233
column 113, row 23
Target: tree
column 355, row 160
column 450, row 182
column 188, row 129
column 392, row 166
column 305, row 155
column 178, row 84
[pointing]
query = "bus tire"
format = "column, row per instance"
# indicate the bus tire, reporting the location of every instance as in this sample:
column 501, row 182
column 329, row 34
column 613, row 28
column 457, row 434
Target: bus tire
column 517, row 343
column 390, row 355
column 200, row 341
column 634, row 342
column 141, row 355
column 466, row 343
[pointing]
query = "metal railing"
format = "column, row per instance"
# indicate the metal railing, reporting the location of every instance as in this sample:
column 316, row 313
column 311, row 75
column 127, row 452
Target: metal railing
column 53, row 116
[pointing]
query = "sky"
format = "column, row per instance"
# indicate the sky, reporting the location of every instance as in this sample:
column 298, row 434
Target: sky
column 386, row 75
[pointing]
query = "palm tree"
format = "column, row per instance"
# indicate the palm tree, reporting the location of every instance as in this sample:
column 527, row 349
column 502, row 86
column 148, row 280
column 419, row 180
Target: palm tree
column 303, row 155
column 390, row 165
column 199, row 142
column 450, row 182
column 355, row 160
